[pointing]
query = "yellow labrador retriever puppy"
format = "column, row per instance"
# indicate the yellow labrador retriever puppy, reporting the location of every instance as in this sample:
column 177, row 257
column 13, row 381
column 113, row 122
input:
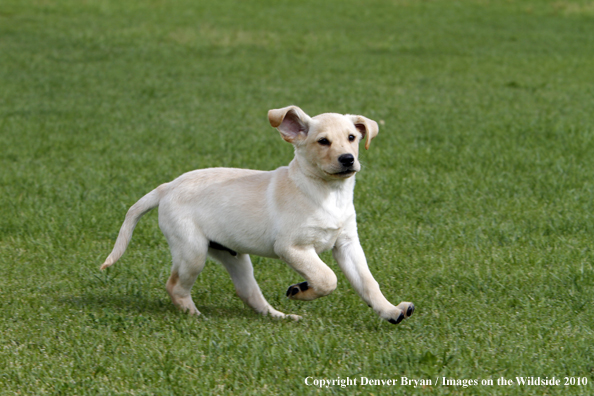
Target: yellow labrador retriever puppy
column 293, row 213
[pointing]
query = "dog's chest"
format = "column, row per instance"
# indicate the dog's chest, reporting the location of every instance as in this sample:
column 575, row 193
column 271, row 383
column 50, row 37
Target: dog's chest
column 327, row 222
column 324, row 239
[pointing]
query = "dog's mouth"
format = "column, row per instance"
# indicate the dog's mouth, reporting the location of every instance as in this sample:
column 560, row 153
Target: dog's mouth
column 344, row 173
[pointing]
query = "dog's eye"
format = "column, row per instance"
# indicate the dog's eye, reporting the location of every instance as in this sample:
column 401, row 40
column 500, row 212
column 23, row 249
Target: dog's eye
column 351, row 138
column 324, row 142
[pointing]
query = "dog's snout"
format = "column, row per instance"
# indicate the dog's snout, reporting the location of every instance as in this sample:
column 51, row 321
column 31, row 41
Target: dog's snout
column 346, row 160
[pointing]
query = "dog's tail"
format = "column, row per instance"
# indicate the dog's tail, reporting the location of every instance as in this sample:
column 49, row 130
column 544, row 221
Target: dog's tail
column 144, row 204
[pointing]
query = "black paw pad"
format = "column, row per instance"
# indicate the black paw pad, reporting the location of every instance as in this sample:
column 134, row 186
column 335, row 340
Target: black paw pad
column 410, row 310
column 400, row 319
column 292, row 290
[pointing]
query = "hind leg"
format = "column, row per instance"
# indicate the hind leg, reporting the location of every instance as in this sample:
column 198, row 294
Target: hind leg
column 189, row 256
column 242, row 273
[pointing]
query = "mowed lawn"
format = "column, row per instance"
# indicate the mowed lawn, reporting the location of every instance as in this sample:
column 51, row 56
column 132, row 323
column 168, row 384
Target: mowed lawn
column 475, row 201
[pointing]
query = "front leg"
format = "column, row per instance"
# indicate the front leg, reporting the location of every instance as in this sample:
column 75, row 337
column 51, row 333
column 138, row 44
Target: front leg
column 349, row 255
column 320, row 280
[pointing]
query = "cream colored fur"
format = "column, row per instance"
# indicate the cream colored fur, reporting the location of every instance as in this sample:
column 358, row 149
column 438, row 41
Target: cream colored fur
column 292, row 213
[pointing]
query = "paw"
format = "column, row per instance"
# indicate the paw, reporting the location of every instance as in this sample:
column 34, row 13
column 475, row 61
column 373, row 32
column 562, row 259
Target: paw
column 403, row 311
column 407, row 307
column 279, row 315
column 304, row 291
column 300, row 291
column 186, row 305
column 192, row 311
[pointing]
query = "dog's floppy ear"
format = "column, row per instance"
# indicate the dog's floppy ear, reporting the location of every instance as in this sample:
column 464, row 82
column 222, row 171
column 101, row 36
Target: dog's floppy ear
column 367, row 127
column 291, row 122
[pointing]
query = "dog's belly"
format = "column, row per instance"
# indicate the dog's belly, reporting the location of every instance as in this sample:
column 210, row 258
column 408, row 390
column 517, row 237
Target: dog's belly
column 256, row 247
column 322, row 239
column 242, row 236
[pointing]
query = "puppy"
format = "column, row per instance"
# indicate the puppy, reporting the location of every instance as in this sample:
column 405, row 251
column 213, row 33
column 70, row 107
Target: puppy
column 292, row 213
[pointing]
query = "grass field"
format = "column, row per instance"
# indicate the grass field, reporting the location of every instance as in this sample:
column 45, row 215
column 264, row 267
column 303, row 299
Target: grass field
column 475, row 201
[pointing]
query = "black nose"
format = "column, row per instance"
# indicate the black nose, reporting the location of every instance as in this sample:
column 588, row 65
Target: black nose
column 346, row 160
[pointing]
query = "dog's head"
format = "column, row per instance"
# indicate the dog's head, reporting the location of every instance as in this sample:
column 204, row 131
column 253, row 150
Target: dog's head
column 328, row 142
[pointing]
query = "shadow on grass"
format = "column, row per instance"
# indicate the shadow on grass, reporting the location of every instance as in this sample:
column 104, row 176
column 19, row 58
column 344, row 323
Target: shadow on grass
column 141, row 304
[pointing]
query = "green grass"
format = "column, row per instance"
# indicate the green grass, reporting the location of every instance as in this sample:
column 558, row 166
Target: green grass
column 475, row 201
